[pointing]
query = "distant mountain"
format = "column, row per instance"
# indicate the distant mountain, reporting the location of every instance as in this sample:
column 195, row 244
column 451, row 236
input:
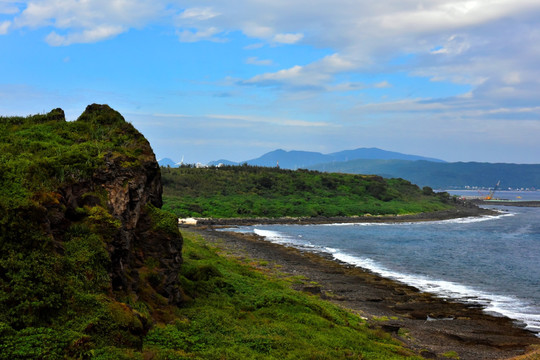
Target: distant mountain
column 375, row 153
column 302, row 159
column 289, row 159
column 167, row 162
column 442, row 175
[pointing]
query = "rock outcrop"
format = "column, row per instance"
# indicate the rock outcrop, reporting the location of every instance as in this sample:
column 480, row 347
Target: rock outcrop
column 132, row 184
column 88, row 260
column 112, row 185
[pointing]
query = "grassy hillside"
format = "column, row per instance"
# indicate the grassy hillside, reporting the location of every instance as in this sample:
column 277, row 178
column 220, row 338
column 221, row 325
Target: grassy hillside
column 247, row 191
column 238, row 312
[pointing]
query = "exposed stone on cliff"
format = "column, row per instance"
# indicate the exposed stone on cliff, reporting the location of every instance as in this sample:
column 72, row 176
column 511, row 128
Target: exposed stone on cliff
column 109, row 183
column 132, row 184
column 87, row 257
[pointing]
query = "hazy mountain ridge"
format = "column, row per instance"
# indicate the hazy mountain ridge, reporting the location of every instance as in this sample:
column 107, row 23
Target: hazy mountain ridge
column 420, row 170
column 167, row 162
column 443, row 175
column 296, row 159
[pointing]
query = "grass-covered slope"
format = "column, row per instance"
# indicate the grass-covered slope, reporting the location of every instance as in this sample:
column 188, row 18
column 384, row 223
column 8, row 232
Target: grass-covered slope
column 247, row 191
column 238, row 312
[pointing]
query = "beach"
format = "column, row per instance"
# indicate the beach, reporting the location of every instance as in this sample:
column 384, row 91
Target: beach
column 429, row 325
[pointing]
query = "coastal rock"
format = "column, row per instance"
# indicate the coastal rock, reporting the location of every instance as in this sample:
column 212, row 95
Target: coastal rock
column 128, row 186
column 86, row 253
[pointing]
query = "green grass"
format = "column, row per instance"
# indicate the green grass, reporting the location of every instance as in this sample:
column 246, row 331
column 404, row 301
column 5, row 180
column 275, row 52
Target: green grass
column 239, row 313
column 248, row 191
column 451, row 355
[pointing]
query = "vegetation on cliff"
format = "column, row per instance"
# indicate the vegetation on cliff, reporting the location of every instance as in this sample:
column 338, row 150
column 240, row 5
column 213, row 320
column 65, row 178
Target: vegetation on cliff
column 79, row 225
column 251, row 191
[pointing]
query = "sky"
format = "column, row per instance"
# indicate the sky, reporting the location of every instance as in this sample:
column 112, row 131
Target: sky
column 211, row 79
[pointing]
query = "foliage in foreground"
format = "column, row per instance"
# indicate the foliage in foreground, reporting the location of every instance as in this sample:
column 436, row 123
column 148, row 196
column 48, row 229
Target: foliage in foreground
column 235, row 312
column 251, row 191
column 239, row 313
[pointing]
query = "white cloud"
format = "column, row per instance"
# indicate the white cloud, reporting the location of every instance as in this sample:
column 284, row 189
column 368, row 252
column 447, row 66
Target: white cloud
column 272, row 120
column 198, row 35
column 199, row 14
column 87, row 21
column 454, row 45
column 452, row 14
column 87, row 36
column 253, row 60
column 512, row 78
column 255, row 30
column 382, row 85
column 9, row 7
column 288, row 38
column 318, row 74
column 232, row 121
column 4, row 27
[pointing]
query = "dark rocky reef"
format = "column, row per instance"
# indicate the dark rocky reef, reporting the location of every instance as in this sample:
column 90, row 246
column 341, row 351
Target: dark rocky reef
column 462, row 210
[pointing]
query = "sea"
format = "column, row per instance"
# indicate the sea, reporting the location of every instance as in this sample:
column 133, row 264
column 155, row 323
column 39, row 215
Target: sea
column 493, row 261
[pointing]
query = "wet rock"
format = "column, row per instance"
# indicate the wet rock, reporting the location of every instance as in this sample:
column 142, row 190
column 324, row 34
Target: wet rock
column 316, row 290
column 391, row 328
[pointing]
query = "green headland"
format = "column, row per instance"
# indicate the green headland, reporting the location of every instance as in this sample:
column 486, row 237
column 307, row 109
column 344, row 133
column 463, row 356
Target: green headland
column 256, row 192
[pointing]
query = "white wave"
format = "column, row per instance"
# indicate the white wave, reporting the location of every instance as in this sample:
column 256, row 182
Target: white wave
column 359, row 224
column 508, row 306
column 499, row 304
column 475, row 219
column 273, row 236
column 465, row 220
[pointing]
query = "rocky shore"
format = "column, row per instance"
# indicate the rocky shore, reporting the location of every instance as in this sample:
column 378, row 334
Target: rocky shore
column 435, row 328
column 518, row 203
column 466, row 210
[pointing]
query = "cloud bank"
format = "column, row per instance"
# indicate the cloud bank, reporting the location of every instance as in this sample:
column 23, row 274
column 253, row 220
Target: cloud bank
column 374, row 55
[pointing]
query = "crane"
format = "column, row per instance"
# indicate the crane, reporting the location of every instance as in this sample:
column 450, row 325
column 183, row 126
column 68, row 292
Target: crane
column 492, row 192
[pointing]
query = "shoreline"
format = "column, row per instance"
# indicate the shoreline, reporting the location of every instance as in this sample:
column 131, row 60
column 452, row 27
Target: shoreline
column 427, row 324
column 458, row 212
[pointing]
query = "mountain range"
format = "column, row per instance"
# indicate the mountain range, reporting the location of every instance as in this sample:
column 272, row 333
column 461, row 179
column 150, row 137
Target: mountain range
column 420, row 170
column 443, row 175
column 167, row 162
column 295, row 159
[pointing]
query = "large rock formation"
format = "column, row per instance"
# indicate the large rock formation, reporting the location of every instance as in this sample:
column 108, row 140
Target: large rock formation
column 85, row 249
column 132, row 184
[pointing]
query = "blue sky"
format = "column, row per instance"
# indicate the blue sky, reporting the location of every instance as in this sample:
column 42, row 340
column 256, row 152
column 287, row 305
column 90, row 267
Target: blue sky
column 206, row 80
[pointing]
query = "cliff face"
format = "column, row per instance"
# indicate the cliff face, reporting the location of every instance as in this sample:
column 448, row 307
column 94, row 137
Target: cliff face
column 131, row 183
column 84, row 244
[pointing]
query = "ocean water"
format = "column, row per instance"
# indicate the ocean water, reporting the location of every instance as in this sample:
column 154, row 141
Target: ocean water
column 500, row 194
column 492, row 260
